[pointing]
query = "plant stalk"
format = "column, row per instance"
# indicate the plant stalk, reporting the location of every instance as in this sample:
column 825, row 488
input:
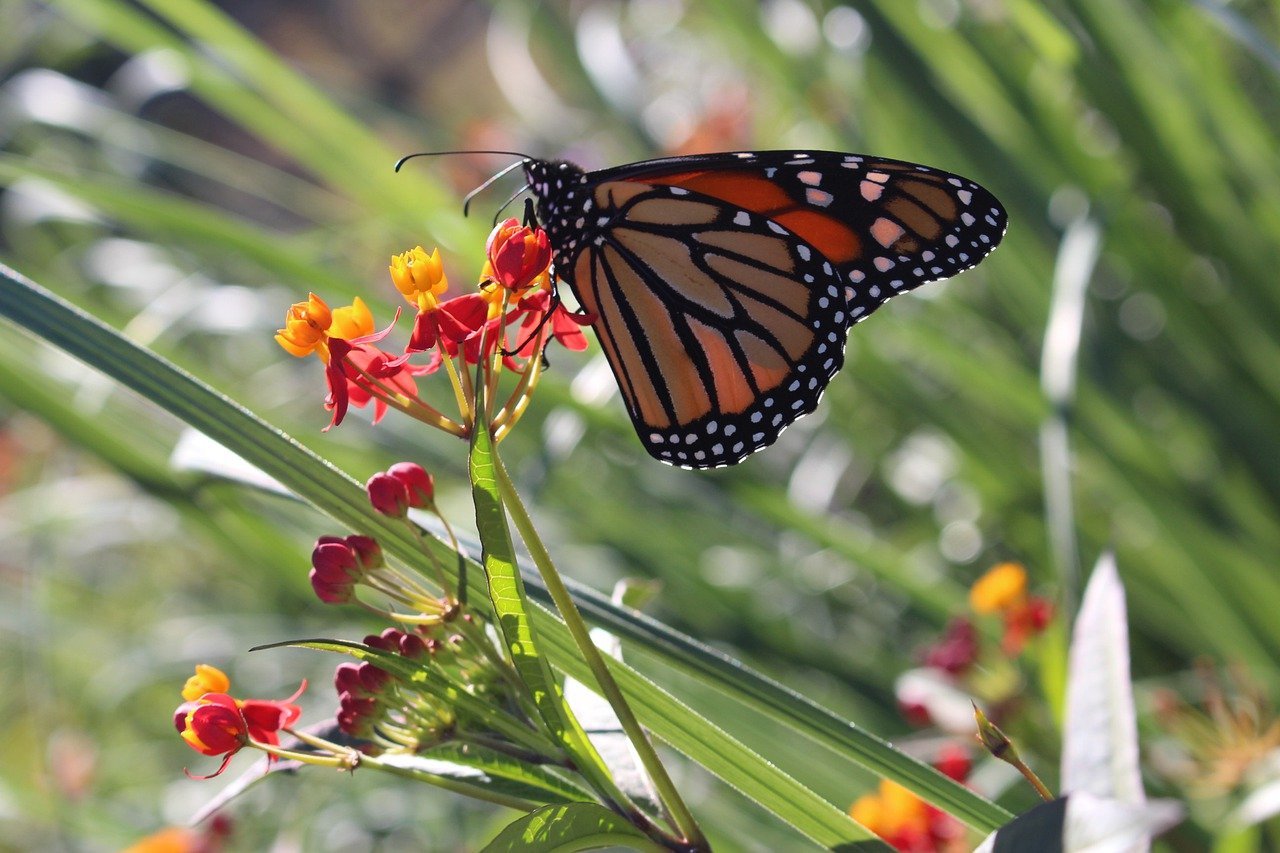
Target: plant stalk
column 681, row 817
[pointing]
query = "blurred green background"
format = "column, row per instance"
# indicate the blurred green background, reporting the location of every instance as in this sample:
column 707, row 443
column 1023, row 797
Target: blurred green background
column 185, row 171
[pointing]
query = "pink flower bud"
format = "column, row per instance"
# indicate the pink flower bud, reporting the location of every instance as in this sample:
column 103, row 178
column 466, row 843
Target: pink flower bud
column 388, row 494
column 338, row 564
column 416, row 480
column 412, row 646
column 367, row 551
column 373, row 679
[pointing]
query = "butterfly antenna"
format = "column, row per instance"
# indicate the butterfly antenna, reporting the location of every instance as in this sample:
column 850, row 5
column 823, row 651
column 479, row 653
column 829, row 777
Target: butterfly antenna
column 507, row 203
column 408, row 157
column 466, row 201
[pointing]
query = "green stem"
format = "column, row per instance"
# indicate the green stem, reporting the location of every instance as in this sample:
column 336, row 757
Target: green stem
column 667, row 793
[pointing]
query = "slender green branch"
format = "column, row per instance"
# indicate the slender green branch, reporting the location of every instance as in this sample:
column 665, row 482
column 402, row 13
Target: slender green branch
column 670, row 797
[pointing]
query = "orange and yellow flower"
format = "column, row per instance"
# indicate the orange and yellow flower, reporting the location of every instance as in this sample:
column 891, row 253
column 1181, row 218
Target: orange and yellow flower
column 1003, row 590
column 419, row 277
column 907, row 822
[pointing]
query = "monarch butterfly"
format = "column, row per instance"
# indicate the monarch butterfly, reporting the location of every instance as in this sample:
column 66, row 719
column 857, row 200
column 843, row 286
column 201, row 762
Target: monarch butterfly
column 724, row 285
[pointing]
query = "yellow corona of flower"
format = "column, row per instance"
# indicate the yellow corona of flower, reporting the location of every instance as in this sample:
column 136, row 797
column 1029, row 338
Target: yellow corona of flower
column 208, row 679
column 419, row 277
column 1000, row 589
column 352, row 321
column 306, row 326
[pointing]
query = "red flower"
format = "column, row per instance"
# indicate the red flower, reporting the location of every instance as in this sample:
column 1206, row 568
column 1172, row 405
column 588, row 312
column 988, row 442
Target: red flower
column 1024, row 622
column 218, row 724
column 907, row 822
column 566, row 327
column 449, row 324
column 349, row 386
column 518, row 255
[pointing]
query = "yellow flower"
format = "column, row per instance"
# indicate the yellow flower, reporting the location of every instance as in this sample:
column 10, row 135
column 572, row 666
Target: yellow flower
column 352, row 321
column 419, row 277
column 1001, row 589
column 893, row 813
column 208, row 679
column 306, row 327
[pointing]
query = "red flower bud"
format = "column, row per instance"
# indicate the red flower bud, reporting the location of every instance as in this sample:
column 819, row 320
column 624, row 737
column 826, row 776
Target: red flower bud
column 367, row 551
column 376, row 641
column 338, row 564
column 915, row 713
column 954, row 762
column 416, row 480
column 956, row 651
column 373, row 679
column 412, row 646
column 346, row 678
column 388, row 494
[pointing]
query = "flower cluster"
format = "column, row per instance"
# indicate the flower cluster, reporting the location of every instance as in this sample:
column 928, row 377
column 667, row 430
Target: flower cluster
column 213, row 722
column 504, row 325
column 959, row 667
column 339, row 565
column 907, row 822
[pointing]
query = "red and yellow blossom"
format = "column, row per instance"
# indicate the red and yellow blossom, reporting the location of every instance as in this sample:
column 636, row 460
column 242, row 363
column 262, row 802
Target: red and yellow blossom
column 219, row 724
column 503, row 325
column 907, row 822
column 1003, row 590
column 518, row 256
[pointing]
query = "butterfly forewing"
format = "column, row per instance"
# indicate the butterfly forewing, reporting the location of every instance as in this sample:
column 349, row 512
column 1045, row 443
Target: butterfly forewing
column 723, row 285
column 891, row 223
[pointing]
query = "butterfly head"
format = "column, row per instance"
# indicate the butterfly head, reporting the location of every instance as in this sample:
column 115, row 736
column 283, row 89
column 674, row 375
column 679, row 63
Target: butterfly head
column 555, row 184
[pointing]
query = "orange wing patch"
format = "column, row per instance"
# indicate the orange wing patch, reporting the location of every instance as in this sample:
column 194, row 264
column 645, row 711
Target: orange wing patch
column 756, row 193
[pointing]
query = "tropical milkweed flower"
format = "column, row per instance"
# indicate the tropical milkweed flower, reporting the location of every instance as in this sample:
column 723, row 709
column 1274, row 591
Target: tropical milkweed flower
column 219, row 724
column 208, row 679
column 1002, row 587
column 1003, row 590
column 518, row 255
column 306, row 327
column 907, row 822
column 419, row 277
column 502, row 327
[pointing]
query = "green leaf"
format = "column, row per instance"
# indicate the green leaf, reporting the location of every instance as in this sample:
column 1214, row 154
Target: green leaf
column 563, row 829
column 490, row 772
column 510, row 604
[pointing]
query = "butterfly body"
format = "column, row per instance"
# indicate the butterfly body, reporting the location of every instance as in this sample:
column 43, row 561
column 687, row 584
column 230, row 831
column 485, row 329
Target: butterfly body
column 723, row 285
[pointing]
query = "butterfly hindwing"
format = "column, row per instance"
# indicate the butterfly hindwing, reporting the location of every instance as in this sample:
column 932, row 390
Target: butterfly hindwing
column 723, row 285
